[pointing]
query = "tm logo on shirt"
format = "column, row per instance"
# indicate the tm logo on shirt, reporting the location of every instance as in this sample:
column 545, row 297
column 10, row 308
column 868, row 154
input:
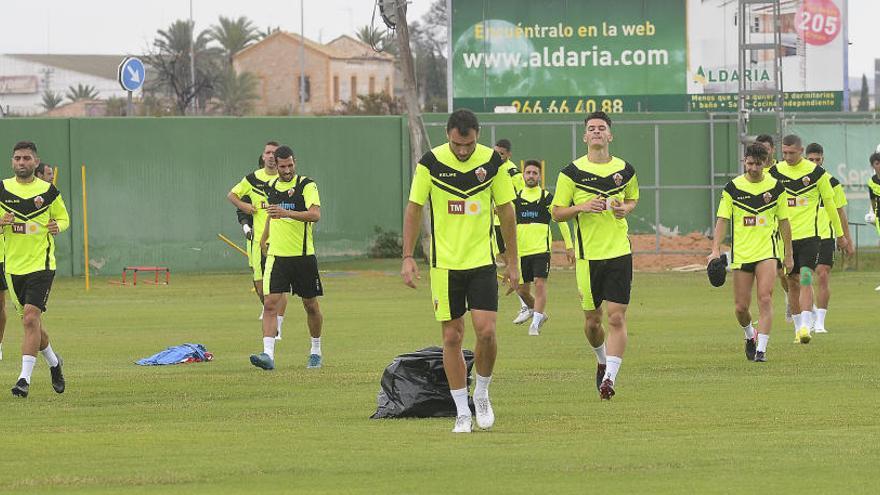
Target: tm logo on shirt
column 799, row 201
column 461, row 207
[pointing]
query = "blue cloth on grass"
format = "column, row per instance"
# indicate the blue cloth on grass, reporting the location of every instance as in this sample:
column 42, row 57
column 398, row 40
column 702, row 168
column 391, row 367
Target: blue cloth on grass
column 185, row 353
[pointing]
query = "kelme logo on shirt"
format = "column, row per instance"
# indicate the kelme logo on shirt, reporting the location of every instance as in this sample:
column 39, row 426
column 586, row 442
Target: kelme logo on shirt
column 38, row 202
column 481, row 174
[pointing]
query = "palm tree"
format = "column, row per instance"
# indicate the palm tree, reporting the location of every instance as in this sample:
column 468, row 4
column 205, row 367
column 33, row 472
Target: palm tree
column 51, row 100
column 170, row 60
column 237, row 93
column 379, row 39
column 234, row 35
column 82, row 92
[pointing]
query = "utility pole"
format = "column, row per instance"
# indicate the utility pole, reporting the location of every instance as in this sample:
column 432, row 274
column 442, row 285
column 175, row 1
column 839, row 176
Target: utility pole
column 192, row 57
column 302, row 58
column 418, row 136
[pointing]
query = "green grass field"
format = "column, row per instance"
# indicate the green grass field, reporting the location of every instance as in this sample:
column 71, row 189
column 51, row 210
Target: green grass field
column 691, row 414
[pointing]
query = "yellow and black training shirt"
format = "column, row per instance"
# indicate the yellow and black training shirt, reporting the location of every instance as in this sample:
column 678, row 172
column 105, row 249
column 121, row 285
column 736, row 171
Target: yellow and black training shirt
column 806, row 184
column 533, row 219
column 462, row 196
column 754, row 210
column 256, row 185
column 599, row 236
column 29, row 247
column 874, row 195
column 516, row 178
column 289, row 237
column 825, row 228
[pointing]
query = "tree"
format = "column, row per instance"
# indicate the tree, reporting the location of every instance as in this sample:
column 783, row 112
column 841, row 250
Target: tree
column 81, row 92
column 429, row 44
column 51, row 100
column 379, row 39
column 116, row 107
column 170, row 59
column 234, row 35
column 237, row 93
column 864, row 101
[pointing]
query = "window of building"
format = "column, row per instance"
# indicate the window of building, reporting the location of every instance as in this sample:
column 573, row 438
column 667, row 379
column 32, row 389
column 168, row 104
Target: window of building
column 354, row 85
column 372, row 84
column 387, row 85
column 335, row 89
column 306, row 88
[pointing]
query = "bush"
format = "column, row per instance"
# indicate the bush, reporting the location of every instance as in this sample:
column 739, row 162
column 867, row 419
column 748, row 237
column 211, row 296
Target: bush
column 389, row 244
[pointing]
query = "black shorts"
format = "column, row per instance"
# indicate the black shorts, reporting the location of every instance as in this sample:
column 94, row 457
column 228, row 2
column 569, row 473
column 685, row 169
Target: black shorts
column 750, row 267
column 826, row 252
column 294, row 274
column 604, row 280
column 457, row 291
column 534, row 266
column 499, row 240
column 805, row 253
column 32, row 288
column 3, row 285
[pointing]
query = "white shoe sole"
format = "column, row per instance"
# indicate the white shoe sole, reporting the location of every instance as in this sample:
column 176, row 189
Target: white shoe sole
column 820, row 330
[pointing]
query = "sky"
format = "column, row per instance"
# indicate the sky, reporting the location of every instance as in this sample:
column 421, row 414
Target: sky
column 118, row 27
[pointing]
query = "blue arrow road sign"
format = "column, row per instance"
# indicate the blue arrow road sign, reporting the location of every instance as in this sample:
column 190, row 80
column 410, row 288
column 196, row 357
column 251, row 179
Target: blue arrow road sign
column 131, row 74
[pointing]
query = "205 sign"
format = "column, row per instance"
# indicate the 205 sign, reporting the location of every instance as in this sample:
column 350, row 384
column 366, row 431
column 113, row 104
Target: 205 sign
column 818, row 21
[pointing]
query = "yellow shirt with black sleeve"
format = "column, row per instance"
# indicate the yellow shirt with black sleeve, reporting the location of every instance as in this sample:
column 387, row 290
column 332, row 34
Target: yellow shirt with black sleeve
column 825, row 229
column 516, row 178
column 598, row 236
column 533, row 220
column 462, row 196
column 289, row 237
column 29, row 247
column 874, row 195
column 754, row 210
column 255, row 186
column 806, row 184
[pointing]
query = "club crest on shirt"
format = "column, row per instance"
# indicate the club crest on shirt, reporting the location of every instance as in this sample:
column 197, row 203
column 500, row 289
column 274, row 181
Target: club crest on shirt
column 481, row 174
column 38, row 202
column 806, row 181
column 618, row 179
column 767, row 197
column 290, row 192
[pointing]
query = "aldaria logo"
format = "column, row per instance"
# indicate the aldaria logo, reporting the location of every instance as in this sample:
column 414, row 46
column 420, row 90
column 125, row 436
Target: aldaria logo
column 704, row 77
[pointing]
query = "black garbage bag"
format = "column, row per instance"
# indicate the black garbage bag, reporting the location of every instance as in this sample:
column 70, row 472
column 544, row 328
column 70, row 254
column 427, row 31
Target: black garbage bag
column 414, row 385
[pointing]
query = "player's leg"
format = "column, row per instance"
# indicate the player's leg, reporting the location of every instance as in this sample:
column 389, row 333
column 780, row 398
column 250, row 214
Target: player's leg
column 448, row 293
column 743, row 280
column 616, row 286
column 315, row 320
column 540, row 268
column 258, row 266
column 765, row 275
column 527, row 302
column 307, row 285
column 276, row 282
column 591, row 305
column 281, row 311
column 822, row 283
column 482, row 299
column 2, row 320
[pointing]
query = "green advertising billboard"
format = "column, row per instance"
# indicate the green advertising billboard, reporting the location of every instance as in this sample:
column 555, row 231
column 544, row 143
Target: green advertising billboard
column 636, row 55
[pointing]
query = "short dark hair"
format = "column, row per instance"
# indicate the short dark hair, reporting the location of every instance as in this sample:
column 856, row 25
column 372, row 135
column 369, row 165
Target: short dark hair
column 504, row 143
column 464, row 121
column 532, row 163
column 757, row 151
column 41, row 168
column 814, row 148
column 283, row 152
column 792, row 140
column 271, row 143
column 875, row 157
column 598, row 115
column 25, row 145
column 764, row 138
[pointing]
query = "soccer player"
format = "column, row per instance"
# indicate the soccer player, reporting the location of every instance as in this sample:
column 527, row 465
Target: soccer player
column 600, row 190
column 45, row 172
column 816, row 154
column 504, row 147
column 291, row 266
column 805, row 184
column 249, row 196
column 873, row 216
column 756, row 205
column 463, row 179
column 533, row 243
column 33, row 214
column 766, row 140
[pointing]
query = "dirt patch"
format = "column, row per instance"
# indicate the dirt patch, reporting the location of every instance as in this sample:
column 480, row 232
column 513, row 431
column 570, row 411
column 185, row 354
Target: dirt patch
column 697, row 243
